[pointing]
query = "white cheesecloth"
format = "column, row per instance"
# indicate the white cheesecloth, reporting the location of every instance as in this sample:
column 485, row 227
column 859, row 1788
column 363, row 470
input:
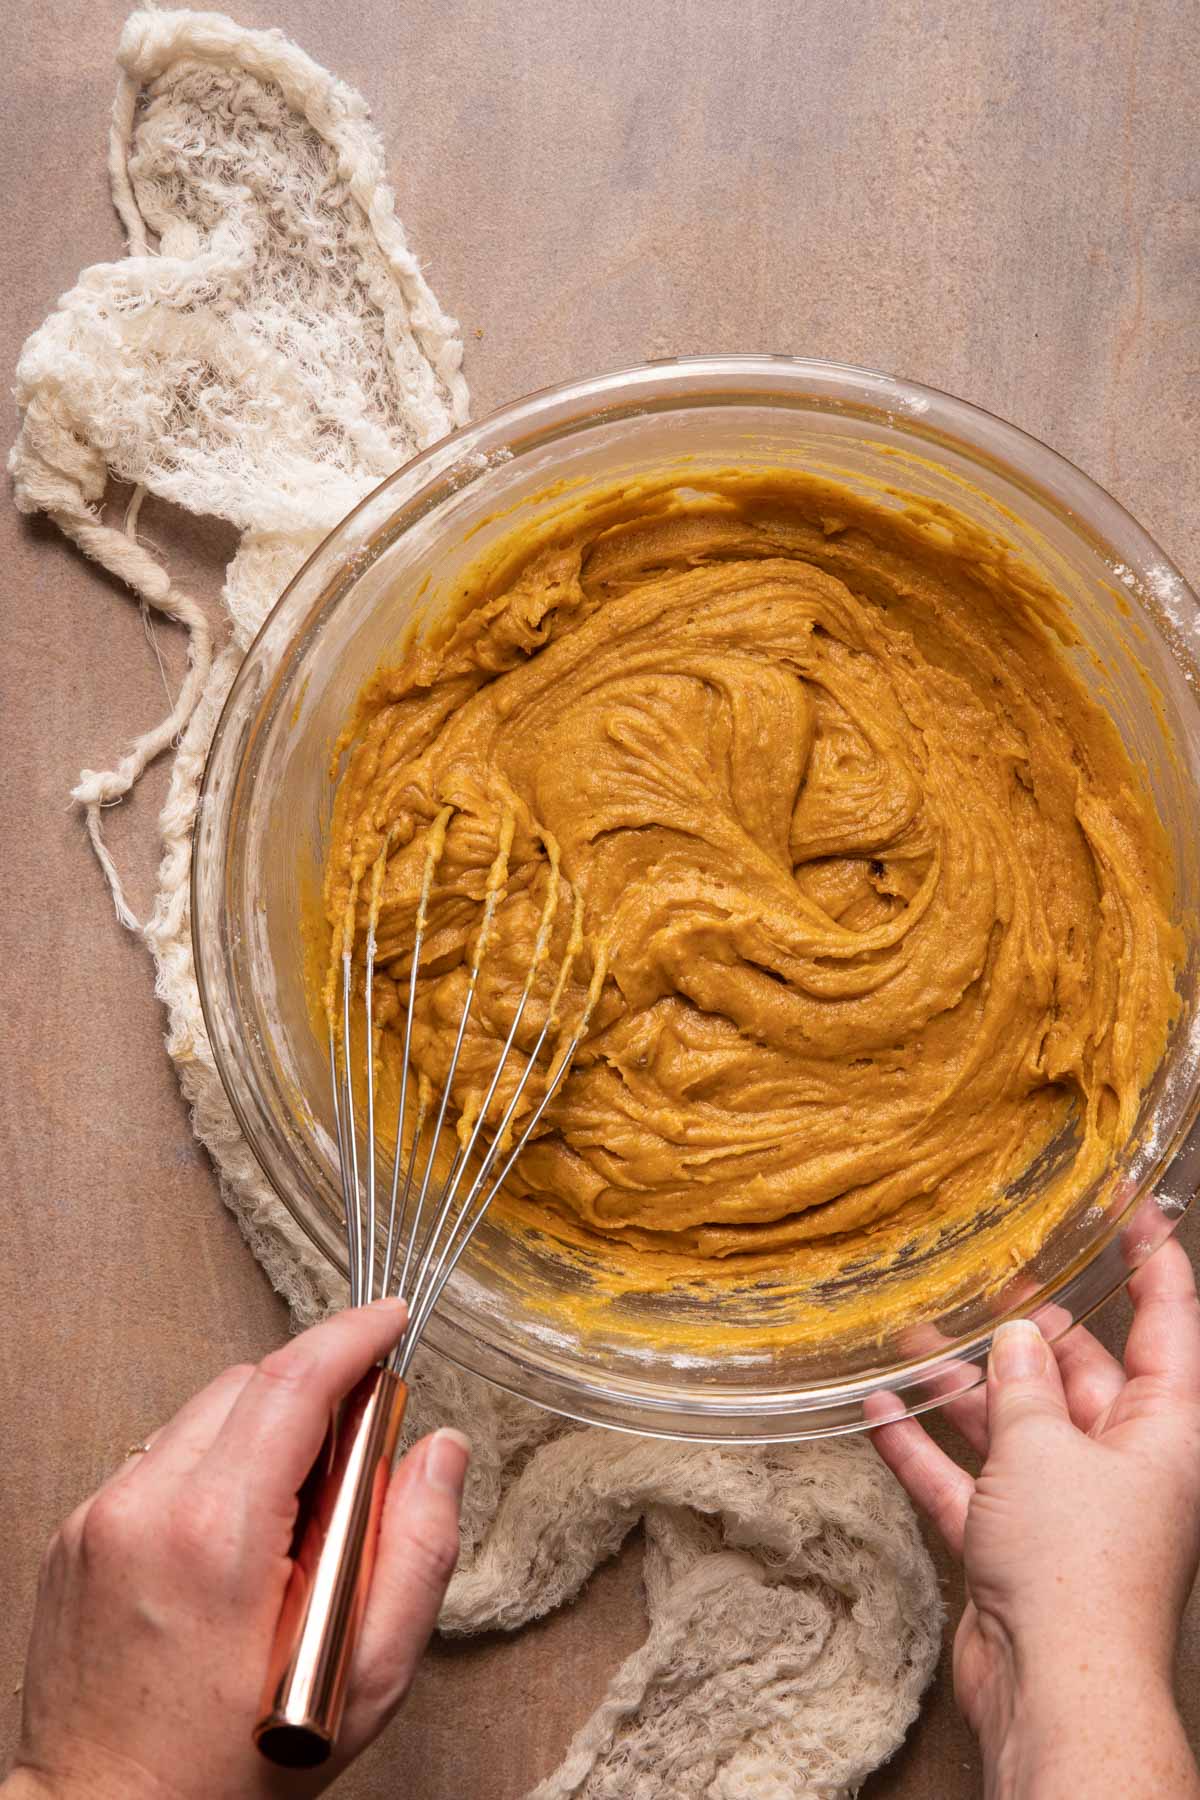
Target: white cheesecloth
column 267, row 351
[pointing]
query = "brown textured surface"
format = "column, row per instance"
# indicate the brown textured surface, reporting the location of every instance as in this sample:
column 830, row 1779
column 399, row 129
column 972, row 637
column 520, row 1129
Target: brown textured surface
column 996, row 198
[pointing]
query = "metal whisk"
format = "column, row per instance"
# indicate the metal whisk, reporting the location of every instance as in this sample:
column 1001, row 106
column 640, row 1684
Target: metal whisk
column 412, row 1251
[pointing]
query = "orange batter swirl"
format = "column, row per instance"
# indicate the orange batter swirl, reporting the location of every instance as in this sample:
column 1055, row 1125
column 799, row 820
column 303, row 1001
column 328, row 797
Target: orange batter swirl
column 882, row 900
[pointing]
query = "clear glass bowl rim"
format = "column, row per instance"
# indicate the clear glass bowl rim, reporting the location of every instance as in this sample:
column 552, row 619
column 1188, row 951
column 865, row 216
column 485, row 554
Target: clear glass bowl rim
column 930, row 418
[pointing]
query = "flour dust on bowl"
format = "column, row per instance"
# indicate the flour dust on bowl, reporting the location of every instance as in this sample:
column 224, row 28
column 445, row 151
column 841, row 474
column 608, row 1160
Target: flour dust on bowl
column 756, row 482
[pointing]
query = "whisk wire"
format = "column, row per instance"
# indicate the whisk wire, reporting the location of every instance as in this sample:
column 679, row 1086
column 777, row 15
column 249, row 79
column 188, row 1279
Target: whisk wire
column 433, row 853
column 426, row 1293
column 430, row 1224
column 344, row 1166
column 457, row 1243
column 466, row 1149
column 493, row 894
column 430, row 1284
column 368, row 1245
column 410, row 1240
column 355, row 1251
column 377, row 875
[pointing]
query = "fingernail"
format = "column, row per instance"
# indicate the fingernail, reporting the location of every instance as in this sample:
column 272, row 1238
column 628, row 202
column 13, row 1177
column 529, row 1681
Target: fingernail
column 390, row 1303
column 882, row 1409
column 1018, row 1350
column 446, row 1461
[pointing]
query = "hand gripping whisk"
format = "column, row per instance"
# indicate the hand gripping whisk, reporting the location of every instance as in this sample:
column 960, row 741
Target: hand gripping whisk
column 412, row 1251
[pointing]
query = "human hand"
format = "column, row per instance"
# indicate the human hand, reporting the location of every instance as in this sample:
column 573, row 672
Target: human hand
column 1080, row 1540
column 159, row 1596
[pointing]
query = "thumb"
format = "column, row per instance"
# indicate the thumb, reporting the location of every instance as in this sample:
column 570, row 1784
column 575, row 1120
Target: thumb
column 1023, row 1382
column 418, row 1548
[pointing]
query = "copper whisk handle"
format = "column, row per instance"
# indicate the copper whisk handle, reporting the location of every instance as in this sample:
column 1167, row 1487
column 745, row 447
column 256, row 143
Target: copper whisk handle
column 337, row 1532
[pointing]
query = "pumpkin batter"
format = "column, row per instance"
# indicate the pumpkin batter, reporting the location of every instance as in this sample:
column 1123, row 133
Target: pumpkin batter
column 881, row 901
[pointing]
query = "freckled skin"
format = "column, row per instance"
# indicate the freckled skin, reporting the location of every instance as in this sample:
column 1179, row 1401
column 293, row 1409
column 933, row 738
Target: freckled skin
column 882, row 898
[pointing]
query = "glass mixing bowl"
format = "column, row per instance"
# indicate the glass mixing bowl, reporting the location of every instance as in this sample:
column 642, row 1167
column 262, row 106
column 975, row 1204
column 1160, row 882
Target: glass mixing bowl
column 387, row 570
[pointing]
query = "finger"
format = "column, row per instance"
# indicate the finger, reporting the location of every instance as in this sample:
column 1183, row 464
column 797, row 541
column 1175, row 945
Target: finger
column 967, row 1412
column 176, row 1447
column 1147, row 1227
column 959, row 1386
column 418, row 1548
column 132, row 1460
column 932, row 1480
column 1164, row 1339
column 1016, row 1296
column 1052, row 1320
column 1023, row 1383
column 1091, row 1377
column 279, row 1420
